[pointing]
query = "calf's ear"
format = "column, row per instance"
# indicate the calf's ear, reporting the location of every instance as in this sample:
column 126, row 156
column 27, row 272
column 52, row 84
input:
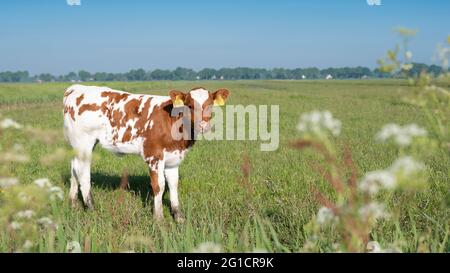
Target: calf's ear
column 177, row 98
column 220, row 96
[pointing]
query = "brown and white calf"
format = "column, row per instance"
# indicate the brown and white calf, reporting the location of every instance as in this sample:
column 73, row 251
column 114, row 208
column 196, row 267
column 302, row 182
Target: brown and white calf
column 126, row 123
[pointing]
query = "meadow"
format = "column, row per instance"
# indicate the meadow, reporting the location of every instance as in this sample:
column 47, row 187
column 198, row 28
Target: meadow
column 264, row 209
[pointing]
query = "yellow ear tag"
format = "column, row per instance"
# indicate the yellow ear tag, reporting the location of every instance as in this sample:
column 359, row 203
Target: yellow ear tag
column 219, row 101
column 178, row 101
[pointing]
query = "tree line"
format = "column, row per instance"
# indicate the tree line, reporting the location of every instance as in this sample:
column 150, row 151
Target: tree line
column 238, row 73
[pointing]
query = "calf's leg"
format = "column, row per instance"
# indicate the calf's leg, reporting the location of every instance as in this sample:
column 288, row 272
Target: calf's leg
column 73, row 193
column 81, row 171
column 157, row 182
column 84, row 176
column 171, row 175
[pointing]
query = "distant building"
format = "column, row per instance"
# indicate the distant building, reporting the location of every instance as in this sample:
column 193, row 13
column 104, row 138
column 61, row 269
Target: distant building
column 303, row 77
column 365, row 77
column 329, row 77
column 198, row 78
column 221, row 77
column 213, row 77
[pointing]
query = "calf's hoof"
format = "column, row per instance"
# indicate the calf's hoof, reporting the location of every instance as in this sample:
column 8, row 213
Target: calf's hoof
column 177, row 215
column 73, row 203
column 179, row 219
column 158, row 218
column 89, row 203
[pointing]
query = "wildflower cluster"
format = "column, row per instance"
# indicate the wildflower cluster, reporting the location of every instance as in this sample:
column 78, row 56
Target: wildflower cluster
column 405, row 173
column 357, row 210
column 319, row 124
column 399, row 60
column 26, row 214
column 430, row 92
column 27, row 218
column 9, row 123
column 402, row 136
column 54, row 192
column 73, row 247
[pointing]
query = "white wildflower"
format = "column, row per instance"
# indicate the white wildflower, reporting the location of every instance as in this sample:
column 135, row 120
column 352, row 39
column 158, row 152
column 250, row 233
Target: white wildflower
column 414, row 130
column 402, row 136
column 373, row 211
column 408, row 55
column 406, row 166
column 56, row 193
column 25, row 214
column 23, row 197
column 374, row 247
column 27, row 245
column 9, row 123
column 309, row 246
column 407, row 66
column 372, row 182
column 442, row 55
column 319, row 122
column 325, row 216
column 73, row 247
column 17, row 147
column 6, row 182
column 15, row 225
column 337, row 248
column 388, row 131
column 46, row 222
column 14, row 156
column 208, row 247
column 43, row 182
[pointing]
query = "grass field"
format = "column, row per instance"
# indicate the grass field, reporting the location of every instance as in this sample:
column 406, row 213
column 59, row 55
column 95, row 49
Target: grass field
column 218, row 207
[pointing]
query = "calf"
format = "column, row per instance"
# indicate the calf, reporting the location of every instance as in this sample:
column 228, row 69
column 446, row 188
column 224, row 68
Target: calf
column 147, row 125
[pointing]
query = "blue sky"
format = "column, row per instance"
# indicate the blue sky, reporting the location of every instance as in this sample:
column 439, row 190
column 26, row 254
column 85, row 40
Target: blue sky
column 116, row 36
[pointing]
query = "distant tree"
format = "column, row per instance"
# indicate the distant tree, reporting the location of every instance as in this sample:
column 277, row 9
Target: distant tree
column 417, row 68
column 379, row 74
column 46, row 77
column 18, row 76
column 7, row 76
column 100, row 76
column 237, row 73
column 280, row 73
column 435, row 70
column 227, row 73
column 259, row 73
column 136, row 75
column 113, row 77
column 311, row 73
column 328, row 71
column 159, row 74
column 207, row 73
column 71, row 76
column 181, row 73
column 84, row 75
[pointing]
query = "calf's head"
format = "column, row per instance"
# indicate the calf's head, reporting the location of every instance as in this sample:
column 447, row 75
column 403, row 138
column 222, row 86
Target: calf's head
column 198, row 104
